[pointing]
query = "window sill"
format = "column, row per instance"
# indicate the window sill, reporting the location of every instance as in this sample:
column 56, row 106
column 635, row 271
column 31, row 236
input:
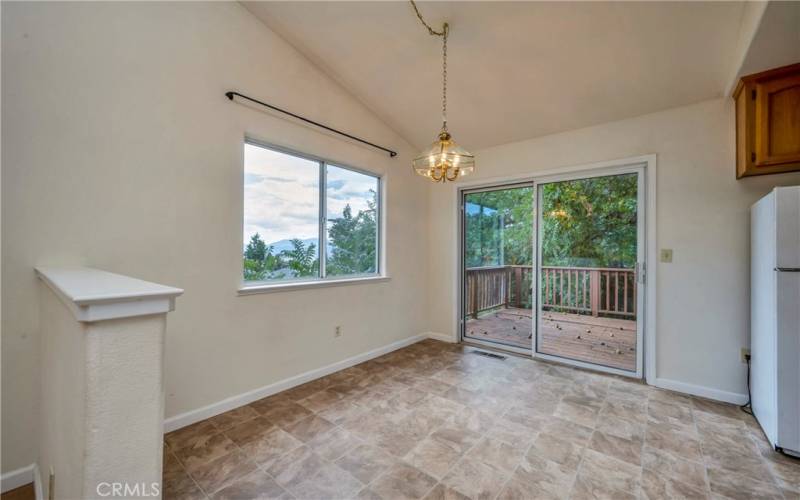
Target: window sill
column 304, row 285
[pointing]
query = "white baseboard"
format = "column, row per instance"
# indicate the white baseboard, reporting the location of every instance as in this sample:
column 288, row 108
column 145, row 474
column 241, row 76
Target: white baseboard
column 37, row 483
column 702, row 391
column 192, row 416
column 17, row 478
column 440, row 336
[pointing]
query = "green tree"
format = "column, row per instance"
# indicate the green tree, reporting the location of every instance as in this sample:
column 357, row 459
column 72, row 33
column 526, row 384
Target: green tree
column 353, row 241
column 301, row 259
column 499, row 228
column 590, row 222
column 260, row 261
column 256, row 249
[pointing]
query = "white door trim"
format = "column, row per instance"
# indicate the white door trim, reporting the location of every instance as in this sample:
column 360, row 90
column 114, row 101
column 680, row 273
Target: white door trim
column 649, row 162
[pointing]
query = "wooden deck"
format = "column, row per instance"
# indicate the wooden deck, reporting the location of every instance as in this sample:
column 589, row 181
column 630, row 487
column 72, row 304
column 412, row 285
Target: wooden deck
column 603, row 341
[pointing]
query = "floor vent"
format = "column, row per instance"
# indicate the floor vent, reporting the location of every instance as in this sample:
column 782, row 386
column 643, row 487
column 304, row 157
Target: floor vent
column 489, row 354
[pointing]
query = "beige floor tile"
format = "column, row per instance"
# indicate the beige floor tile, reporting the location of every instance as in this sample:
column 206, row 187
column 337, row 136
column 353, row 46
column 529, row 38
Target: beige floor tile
column 497, row 454
column 251, row 430
column 256, row 486
column 221, row 472
column 609, row 473
column 621, row 427
column 739, row 487
column 334, row 443
column 342, row 411
column 287, row 415
column 432, row 386
column 459, row 440
column 330, row 482
column 308, row 428
column 191, row 435
column 564, row 453
column 627, row 450
column 581, row 410
column 670, row 413
column 524, row 416
column 433, row 457
column 321, row 400
column 402, row 481
column 205, row 451
column 272, row 445
column 657, row 487
column 474, row 420
column 475, row 480
column 294, row 467
column 546, row 476
column 516, row 489
column 615, row 408
column 233, row 417
column 665, row 464
column 678, row 441
column 442, row 492
column 588, row 489
column 366, row 462
column 568, row 430
column 671, row 397
column 270, row 403
column 398, row 441
column 177, row 484
column 511, row 432
column 715, row 407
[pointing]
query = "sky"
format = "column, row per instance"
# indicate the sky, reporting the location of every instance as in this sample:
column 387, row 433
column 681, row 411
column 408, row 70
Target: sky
column 281, row 194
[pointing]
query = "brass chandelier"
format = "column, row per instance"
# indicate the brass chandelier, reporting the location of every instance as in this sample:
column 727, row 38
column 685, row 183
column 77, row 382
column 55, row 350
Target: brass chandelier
column 444, row 160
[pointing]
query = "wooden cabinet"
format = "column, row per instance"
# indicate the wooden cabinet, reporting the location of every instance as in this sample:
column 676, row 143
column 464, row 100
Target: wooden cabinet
column 768, row 122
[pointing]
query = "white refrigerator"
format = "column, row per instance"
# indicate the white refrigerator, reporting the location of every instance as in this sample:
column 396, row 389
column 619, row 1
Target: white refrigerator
column 775, row 316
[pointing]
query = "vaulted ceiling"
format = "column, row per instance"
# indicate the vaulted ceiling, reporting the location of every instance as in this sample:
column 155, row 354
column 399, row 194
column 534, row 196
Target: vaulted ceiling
column 518, row 69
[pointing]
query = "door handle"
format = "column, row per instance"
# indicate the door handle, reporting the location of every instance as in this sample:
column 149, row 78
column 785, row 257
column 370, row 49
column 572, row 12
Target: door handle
column 788, row 269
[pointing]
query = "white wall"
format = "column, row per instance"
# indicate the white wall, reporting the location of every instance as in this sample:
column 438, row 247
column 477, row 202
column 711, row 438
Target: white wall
column 702, row 213
column 121, row 152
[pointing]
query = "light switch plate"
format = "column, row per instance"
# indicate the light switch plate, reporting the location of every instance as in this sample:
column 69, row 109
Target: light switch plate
column 666, row 255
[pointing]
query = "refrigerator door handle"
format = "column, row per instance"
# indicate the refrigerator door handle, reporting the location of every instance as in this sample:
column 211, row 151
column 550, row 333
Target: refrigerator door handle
column 788, row 269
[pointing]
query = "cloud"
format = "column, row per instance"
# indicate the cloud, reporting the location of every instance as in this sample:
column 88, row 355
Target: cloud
column 281, row 194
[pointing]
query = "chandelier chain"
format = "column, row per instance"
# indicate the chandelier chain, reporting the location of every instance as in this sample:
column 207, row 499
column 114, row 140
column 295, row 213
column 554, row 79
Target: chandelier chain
column 422, row 20
column 445, row 31
column 444, row 77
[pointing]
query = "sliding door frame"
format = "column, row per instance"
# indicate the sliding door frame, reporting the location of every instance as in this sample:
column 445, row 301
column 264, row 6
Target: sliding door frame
column 641, row 264
column 648, row 163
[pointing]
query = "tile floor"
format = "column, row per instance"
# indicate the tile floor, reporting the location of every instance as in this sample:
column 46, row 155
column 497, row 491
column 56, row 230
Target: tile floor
column 438, row 422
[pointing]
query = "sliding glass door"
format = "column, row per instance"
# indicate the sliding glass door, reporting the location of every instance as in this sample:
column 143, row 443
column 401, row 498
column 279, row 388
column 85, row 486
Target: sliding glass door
column 590, row 241
column 497, row 266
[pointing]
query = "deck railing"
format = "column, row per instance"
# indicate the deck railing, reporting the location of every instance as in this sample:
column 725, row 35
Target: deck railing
column 584, row 290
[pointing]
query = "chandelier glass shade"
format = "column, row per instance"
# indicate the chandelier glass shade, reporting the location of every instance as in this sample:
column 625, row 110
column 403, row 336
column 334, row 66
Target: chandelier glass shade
column 444, row 160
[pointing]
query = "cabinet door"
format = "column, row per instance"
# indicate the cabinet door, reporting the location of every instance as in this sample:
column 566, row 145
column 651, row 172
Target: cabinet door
column 778, row 121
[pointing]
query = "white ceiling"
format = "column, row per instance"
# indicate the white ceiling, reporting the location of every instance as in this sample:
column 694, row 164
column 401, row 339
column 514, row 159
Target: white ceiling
column 519, row 69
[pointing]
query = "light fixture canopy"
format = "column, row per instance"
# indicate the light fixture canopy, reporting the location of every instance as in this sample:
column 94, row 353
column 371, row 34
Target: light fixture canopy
column 444, row 160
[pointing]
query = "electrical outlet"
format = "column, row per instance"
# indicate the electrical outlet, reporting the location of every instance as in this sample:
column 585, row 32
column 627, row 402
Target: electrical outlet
column 337, row 332
column 744, row 354
column 666, row 255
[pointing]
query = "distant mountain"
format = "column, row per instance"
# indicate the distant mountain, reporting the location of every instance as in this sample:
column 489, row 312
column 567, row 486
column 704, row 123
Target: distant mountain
column 280, row 246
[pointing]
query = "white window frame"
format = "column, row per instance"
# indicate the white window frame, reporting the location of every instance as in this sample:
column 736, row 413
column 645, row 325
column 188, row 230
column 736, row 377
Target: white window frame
column 251, row 287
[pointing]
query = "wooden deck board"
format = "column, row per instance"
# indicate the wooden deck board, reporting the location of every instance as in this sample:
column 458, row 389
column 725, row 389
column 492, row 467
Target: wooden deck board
column 604, row 341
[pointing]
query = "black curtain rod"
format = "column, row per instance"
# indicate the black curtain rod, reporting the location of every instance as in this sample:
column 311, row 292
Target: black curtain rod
column 231, row 95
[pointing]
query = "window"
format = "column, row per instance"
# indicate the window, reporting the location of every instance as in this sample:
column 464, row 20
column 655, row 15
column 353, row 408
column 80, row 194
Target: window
column 306, row 219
